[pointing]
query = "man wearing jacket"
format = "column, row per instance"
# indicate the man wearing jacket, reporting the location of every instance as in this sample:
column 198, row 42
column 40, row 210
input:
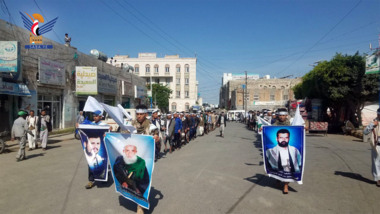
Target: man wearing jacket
column 19, row 129
column 177, row 130
column 222, row 123
column 169, row 131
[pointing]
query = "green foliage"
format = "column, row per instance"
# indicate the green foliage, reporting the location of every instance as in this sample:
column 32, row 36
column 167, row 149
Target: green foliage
column 342, row 85
column 161, row 95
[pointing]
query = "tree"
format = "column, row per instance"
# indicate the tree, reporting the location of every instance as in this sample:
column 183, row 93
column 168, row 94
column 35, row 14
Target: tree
column 342, row 86
column 161, row 96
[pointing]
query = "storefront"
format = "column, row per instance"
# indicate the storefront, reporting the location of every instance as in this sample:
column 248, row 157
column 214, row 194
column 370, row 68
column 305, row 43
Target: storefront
column 51, row 83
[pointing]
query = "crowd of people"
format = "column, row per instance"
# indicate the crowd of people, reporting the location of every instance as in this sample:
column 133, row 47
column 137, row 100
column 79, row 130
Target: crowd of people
column 177, row 129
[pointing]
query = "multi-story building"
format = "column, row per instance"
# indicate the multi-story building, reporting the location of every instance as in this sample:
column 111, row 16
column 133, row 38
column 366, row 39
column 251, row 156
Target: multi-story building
column 178, row 74
column 262, row 93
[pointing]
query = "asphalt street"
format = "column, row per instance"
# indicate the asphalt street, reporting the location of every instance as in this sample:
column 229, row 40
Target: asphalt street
column 209, row 175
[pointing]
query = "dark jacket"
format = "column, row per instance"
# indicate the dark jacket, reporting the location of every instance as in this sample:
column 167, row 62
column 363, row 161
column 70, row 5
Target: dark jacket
column 171, row 128
column 225, row 120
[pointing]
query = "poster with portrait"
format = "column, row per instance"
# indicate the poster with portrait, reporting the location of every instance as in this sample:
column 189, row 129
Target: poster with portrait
column 132, row 161
column 284, row 152
column 92, row 139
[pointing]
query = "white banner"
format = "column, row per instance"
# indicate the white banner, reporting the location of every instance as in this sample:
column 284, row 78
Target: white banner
column 86, row 80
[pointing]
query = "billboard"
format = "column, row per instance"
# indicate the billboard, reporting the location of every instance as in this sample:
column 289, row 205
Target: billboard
column 9, row 60
column 107, row 84
column 51, row 72
column 86, row 80
column 372, row 63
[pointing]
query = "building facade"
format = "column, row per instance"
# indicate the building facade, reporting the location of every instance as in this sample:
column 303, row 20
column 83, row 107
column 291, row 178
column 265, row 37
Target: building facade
column 261, row 93
column 178, row 74
column 48, row 80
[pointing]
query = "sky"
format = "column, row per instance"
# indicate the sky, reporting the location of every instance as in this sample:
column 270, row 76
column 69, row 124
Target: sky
column 265, row 37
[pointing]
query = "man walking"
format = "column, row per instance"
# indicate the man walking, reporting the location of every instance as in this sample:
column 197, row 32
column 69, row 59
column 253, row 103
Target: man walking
column 177, row 130
column 169, row 131
column 43, row 126
column 19, row 129
column 222, row 123
column 32, row 127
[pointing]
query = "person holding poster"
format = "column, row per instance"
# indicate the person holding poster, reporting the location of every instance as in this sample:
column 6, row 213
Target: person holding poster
column 91, row 143
column 131, row 157
column 282, row 160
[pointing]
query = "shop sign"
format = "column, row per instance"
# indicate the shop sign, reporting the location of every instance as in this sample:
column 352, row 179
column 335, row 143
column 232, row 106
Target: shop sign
column 86, row 80
column 9, row 60
column 51, row 72
column 107, row 84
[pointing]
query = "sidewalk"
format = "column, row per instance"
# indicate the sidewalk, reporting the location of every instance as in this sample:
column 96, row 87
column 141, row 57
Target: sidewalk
column 13, row 146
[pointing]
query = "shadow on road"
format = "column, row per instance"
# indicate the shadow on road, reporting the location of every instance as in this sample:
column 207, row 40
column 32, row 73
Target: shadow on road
column 153, row 201
column 34, row 155
column 266, row 181
column 254, row 164
column 355, row 176
column 154, row 197
column 52, row 147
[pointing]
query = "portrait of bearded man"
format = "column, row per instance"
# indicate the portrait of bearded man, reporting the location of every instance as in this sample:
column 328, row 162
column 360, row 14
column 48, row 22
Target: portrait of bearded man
column 131, row 172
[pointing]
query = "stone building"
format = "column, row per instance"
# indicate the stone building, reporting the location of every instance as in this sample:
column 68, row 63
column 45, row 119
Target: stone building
column 47, row 77
column 261, row 93
column 179, row 74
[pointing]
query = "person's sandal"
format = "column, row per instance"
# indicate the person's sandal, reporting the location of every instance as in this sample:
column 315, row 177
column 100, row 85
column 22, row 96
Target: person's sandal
column 90, row 185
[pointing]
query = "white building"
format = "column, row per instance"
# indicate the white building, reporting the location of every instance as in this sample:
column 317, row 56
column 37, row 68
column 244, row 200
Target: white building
column 179, row 74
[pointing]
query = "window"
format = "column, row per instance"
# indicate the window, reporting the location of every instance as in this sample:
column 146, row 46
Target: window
column 187, row 106
column 256, row 97
column 174, row 106
column 186, row 94
column 178, row 94
column 147, row 81
column 178, row 81
column 156, row 68
column 158, row 80
column 286, row 97
column 168, row 81
column 178, row 67
column 272, row 97
column 147, row 69
column 167, row 68
column 137, row 69
column 186, row 81
column 187, row 68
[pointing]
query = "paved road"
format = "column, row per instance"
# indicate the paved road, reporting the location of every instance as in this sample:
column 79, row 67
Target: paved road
column 210, row 175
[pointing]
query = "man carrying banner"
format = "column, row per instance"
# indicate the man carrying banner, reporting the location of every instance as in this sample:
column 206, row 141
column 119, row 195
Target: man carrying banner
column 92, row 148
column 374, row 130
column 142, row 126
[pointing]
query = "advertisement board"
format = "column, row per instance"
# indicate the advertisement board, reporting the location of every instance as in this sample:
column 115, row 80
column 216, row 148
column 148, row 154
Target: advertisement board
column 86, row 80
column 107, row 84
column 9, row 56
column 372, row 63
column 51, row 72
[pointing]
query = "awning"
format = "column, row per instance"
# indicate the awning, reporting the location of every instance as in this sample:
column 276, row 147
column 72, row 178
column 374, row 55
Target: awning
column 17, row 89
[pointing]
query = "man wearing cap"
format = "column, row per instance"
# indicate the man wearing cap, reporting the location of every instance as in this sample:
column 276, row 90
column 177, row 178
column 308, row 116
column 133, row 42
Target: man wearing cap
column 222, row 123
column 374, row 130
column 201, row 124
column 19, row 129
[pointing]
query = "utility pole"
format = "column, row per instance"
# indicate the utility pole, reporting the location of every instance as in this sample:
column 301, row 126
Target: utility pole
column 246, row 94
column 151, row 90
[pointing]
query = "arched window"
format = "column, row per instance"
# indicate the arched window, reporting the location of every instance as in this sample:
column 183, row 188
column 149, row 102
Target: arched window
column 178, row 67
column 137, row 68
column 187, row 68
column 147, row 68
column 167, row 68
column 187, row 106
column 155, row 68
